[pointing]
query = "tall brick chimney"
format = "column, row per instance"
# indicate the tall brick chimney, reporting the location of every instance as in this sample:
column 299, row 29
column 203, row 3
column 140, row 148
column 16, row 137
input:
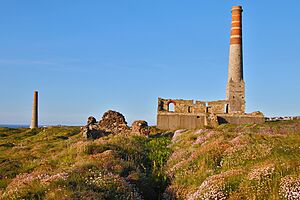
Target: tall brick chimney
column 235, row 91
column 34, row 119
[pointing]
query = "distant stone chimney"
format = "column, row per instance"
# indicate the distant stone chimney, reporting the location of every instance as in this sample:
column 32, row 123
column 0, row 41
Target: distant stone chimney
column 235, row 92
column 34, row 119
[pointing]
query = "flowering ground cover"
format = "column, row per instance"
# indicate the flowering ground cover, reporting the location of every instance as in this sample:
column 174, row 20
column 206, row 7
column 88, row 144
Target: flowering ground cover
column 227, row 162
column 57, row 163
column 236, row 162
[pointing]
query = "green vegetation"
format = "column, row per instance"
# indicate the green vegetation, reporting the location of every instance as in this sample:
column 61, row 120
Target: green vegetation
column 229, row 162
column 237, row 162
column 56, row 162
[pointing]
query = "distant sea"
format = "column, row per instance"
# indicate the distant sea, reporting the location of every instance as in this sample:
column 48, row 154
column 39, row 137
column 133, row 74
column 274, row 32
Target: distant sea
column 14, row 125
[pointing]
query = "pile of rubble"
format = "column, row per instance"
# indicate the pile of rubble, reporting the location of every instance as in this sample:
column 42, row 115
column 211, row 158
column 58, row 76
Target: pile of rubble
column 140, row 127
column 112, row 122
column 92, row 130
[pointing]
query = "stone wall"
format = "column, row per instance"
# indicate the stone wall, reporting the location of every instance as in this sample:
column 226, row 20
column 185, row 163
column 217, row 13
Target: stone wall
column 175, row 121
column 217, row 107
column 190, row 114
column 180, row 105
column 241, row 119
column 191, row 106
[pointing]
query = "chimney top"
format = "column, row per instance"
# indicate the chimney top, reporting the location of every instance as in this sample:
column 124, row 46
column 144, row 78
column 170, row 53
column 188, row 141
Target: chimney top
column 236, row 8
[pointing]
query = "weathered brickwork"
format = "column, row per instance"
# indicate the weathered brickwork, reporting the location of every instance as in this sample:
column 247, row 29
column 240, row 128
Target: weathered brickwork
column 175, row 114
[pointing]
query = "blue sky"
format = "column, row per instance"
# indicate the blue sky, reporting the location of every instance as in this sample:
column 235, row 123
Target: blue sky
column 85, row 57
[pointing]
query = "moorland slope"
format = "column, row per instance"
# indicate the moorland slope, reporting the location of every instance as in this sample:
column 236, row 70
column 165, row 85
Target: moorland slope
column 227, row 162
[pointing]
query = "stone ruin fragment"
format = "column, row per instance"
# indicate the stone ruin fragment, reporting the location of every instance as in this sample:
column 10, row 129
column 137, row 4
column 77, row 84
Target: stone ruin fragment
column 112, row 122
column 140, row 127
column 91, row 130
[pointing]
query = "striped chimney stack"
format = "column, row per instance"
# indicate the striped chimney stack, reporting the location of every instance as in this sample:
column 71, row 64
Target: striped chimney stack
column 236, row 87
column 34, row 119
column 235, row 68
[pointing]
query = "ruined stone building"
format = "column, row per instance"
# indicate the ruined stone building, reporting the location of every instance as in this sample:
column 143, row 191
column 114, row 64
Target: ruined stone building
column 192, row 114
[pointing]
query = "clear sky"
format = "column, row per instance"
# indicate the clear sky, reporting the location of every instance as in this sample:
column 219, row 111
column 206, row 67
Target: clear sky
column 85, row 57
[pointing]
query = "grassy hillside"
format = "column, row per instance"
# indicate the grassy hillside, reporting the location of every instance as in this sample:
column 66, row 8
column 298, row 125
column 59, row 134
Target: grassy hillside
column 57, row 163
column 236, row 162
column 229, row 162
